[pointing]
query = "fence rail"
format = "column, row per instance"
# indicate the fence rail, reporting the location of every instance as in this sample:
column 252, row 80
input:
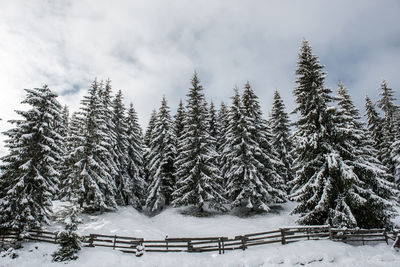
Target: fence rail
column 221, row 244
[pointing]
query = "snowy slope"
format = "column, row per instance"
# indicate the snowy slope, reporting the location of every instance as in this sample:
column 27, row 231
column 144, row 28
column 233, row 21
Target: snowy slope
column 129, row 222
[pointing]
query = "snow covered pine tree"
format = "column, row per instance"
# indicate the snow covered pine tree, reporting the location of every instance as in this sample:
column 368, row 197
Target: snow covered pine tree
column 30, row 171
column 69, row 240
column 386, row 104
column 246, row 184
column 91, row 176
column 135, row 167
column 281, row 137
column 161, row 161
column 262, row 135
column 328, row 185
column 198, row 177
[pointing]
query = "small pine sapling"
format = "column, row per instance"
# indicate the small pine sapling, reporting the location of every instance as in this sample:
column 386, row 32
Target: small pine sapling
column 69, row 240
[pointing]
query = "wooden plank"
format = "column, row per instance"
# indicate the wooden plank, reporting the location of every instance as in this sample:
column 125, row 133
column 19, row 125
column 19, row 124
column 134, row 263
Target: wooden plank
column 118, row 236
column 39, row 237
column 103, row 245
column 205, row 242
column 361, row 235
column 263, row 233
column 42, row 232
column 191, row 238
column 162, row 241
column 265, row 237
column 310, row 235
column 201, row 247
column 128, row 242
column 102, row 240
column 165, row 246
column 207, row 249
column 42, row 240
column 127, row 251
column 359, row 230
column 263, row 242
column 169, row 250
column 233, row 243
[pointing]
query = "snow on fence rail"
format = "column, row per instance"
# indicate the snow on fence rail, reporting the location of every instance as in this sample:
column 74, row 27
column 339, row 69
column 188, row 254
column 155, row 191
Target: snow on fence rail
column 221, row 244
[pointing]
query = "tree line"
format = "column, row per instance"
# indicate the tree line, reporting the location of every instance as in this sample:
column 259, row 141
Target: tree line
column 341, row 171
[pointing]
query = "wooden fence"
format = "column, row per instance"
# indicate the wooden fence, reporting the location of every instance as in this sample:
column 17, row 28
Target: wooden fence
column 220, row 244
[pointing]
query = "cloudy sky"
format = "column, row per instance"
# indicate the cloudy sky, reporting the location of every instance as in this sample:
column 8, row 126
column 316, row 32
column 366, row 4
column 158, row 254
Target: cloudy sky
column 151, row 48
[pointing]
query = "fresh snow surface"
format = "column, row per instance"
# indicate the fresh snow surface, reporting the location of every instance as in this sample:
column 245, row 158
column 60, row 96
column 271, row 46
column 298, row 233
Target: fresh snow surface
column 127, row 221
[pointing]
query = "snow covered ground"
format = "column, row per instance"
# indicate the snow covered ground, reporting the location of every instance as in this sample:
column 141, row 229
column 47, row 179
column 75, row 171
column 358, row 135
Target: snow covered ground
column 171, row 222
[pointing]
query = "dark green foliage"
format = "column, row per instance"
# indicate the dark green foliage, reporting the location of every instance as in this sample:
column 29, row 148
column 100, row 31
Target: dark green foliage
column 69, row 240
column 123, row 181
column 338, row 182
column 179, row 120
column 247, row 187
column 92, row 176
column 386, row 104
column 198, row 176
column 260, row 132
column 30, row 172
column 135, row 167
column 162, row 152
column 281, row 140
column 150, row 127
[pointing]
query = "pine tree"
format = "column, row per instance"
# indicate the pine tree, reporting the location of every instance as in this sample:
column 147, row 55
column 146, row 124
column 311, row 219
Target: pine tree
column 135, row 167
column 319, row 180
column 71, row 143
column 161, row 161
column 147, row 142
column 261, row 134
column 222, row 126
column 395, row 150
column 150, row 127
column 246, row 185
column 334, row 181
column 281, row 141
column 91, row 176
column 69, row 240
column 198, row 177
column 179, row 120
column 64, row 122
column 374, row 124
column 123, row 181
column 371, row 194
column 386, row 103
column 212, row 115
column 63, row 166
column 30, row 171
column 107, row 113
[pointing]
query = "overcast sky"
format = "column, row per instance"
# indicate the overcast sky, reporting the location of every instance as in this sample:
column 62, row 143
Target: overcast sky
column 151, row 48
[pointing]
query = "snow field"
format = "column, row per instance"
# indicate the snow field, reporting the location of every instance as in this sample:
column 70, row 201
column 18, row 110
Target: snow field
column 127, row 221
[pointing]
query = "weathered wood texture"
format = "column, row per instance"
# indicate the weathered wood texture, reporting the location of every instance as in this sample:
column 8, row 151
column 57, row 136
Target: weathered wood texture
column 221, row 244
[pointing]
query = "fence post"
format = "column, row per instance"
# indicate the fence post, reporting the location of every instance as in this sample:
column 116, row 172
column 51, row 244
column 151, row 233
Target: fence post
column 55, row 237
column 223, row 246
column 189, row 245
column 115, row 237
column 91, row 240
column 283, row 236
column 219, row 245
column 243, row 242
column 330, row 233
column 166, row 241
column 386, row 237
